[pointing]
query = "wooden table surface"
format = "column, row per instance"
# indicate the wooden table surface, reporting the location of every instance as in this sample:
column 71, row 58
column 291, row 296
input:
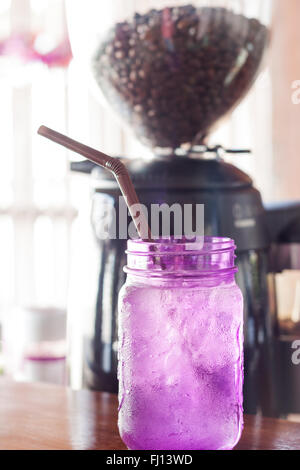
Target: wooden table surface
column 48, row 417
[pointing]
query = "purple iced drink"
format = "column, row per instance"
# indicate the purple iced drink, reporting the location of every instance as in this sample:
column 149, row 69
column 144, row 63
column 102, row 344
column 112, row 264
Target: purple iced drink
column 180, row 347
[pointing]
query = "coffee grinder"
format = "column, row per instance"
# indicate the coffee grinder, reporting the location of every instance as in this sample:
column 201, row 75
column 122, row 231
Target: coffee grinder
column 171, row 71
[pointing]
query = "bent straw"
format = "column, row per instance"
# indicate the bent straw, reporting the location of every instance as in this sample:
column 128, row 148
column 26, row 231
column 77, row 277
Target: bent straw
column 115, row 166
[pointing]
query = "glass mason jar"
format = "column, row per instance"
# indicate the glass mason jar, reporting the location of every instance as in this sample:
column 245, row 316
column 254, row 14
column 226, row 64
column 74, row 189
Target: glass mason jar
column 180, row 346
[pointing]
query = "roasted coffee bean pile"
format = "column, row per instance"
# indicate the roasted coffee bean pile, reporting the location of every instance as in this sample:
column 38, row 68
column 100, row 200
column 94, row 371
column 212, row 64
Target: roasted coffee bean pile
column 173, row 73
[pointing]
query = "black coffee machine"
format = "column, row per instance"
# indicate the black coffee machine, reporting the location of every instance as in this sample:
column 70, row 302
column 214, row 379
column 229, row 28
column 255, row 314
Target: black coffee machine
column 233, row 207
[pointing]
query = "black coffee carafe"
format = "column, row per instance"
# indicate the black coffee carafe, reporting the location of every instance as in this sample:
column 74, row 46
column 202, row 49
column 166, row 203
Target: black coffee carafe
column 233, row 208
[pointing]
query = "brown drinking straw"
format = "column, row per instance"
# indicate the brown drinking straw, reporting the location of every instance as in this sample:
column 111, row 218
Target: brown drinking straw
column 115, row 166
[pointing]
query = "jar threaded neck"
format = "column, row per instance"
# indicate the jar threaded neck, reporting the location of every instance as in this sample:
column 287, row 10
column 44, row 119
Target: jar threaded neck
column 202, row 256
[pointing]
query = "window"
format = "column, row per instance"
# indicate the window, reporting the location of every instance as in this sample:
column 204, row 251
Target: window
column 39, row 197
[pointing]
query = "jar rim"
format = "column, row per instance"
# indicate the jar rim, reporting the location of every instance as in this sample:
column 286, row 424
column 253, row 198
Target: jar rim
column 171, row 245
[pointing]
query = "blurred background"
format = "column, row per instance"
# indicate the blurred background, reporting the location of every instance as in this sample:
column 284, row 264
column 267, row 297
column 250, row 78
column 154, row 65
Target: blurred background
column 45, row 209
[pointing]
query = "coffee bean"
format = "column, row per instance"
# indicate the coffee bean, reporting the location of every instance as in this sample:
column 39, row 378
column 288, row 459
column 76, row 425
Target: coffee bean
column 173, row 81
column 119, row 55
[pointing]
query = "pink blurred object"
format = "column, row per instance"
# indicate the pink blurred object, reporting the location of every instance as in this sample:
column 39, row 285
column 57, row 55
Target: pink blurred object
column 24, row 47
